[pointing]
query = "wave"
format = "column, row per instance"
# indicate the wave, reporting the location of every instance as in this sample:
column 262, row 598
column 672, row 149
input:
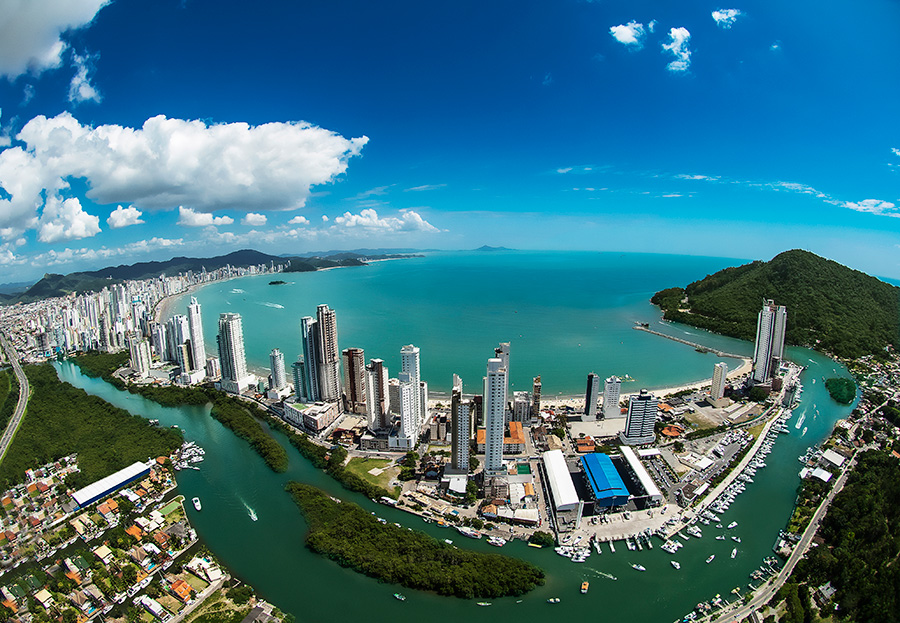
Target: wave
column 275, row 305
column 236, row 291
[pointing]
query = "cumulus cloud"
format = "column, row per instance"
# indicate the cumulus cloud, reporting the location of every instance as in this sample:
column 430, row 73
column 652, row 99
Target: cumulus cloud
column 873, row 206
column 725, row 18
column 189, row 218
column 678, row 47
column 299, row 220
column 170, row 162
column 368, row 219
column 31, row 32
column 66, row 220
column 80, row 88
column 254, row 220
column 631, row 34
column 68, row 255
column 123, row 217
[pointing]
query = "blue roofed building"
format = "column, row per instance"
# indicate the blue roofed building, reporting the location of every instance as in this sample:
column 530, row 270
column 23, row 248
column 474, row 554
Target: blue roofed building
column 606, row 484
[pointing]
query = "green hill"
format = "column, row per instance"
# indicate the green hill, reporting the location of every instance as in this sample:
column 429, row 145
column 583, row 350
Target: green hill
column 830, row 307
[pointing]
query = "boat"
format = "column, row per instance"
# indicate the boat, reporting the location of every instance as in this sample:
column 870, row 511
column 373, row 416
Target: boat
column 196, row 502
column 399, row 597
column 612, row 548
column 253, row 516
column 736, row 539
column 721, row 537
column 469, row 532
column 710, row 559
column 639, row 567
column 496, row 541
column 584, row 587
column 448, row 541
column 733, row 524
column 734, row 552
column 553, row 600
column 676, row 564
column 484, row 603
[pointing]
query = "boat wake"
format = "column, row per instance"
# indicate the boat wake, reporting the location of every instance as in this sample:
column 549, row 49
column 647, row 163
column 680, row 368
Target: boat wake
column 273, row 305
column 250, row 511
column 237, row 291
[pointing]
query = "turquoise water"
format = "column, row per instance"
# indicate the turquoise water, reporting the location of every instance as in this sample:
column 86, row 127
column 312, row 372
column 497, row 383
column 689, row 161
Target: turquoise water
column 565, row 315
column 270, row 554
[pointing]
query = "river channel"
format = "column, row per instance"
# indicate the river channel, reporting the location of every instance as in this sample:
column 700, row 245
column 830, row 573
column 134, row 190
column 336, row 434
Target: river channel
column 270, row 555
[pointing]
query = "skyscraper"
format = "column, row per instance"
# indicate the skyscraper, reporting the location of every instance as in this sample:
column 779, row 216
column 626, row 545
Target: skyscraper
column 195, row 328
column 408, row 435
column 298, row 371
column 139, row 349
column 460, row 414
column 611, row 392
column 231, row 354
column 180, row 334
column 720, row 372
column 536, row 399
column 309, row 338
column 377, row 396
column 494, row 416
column 355, row 392
column 591, row 396
column 409, row 364
column 769, row 346
column 329, row 357
column 639, row 427
column 276, row 364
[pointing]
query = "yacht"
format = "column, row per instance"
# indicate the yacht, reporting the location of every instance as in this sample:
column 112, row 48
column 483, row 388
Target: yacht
column 639, row 567
column 676, row 564
column 196, row 503
column 710, row 559
column 734, row 552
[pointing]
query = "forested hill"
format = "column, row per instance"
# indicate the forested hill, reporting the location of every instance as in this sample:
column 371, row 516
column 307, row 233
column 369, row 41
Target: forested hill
column 829, row 306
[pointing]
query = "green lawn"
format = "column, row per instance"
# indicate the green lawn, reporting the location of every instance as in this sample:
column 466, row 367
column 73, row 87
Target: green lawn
column 361, row 467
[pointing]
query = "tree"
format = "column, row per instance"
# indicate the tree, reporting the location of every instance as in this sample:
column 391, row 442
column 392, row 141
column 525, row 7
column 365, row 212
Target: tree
column 758, row 394
column 678, row 446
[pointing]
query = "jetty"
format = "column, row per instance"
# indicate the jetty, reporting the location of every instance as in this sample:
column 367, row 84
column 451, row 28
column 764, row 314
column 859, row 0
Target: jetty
column 718, row 353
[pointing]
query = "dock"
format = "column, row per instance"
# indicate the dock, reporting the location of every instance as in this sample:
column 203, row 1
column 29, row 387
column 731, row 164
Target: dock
column 718, row 353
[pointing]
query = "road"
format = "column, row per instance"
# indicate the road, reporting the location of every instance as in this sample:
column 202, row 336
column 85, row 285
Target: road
column 763, row 596
column 24, row 391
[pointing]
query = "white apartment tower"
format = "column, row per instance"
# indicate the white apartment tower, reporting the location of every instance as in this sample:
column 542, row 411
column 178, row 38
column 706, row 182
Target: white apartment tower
column 460, row 416
column 639, row 426
column 355, row 392
column 720, row 372
column 408, row 435
column 276, row 364
column 409, row 364
column 377, row 396
column 612, row 390
column 769, row 347
column 494, row 405
column 139, row 349
column 232, row 359
column 591, row 396
column 329, row 362
column 195, row 328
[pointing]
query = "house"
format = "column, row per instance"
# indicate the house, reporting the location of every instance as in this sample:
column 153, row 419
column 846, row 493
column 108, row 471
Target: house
column 182, row 590
column 104, row 554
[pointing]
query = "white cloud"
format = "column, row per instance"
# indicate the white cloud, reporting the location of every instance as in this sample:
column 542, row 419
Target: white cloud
column 189, row 218
column 372, row 192
column 873, row 206
column 725, row 18
column 66, row 220
column 80, row 88
column 631, row 34
column 299, row 220
column 67, row 255
column 324, row 218
column 678, row 47
column 368, row 219
column 170, row 162
column 30, row 32
column 895, row 151
column 652, row 25
column 424, row 187
column 684, row 176
column 254, row 220
column 123, row 217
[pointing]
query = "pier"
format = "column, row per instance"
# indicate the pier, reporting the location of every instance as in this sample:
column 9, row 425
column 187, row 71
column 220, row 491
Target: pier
column 718, row 353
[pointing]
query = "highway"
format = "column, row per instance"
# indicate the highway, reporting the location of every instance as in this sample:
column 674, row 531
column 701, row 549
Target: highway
column 24, row 391
column 763, row 595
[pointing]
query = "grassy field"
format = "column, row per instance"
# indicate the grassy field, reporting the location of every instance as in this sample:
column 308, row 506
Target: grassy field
column 361, row 467
column 756, row 430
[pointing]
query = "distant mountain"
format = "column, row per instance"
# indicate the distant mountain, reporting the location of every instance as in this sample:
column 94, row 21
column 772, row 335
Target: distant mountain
column 490, row 248
column 52, row 285
column 829, row 307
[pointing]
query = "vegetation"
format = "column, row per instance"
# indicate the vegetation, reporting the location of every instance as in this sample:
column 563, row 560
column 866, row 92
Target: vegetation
column 62, row 419
column 842, row 390
column 353, row 538
column 810, row 494
column 830, row 307
column 9, row 396
column 862, row 542
column 361, row 466
column 239, row 418
column 544, row 539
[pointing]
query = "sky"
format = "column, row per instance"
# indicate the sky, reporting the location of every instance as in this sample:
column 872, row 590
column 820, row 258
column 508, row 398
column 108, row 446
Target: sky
column 135, row 130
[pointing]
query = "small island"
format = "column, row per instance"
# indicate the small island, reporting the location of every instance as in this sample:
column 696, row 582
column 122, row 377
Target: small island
column 347, row 534
column 277, row 282
column 842, row 390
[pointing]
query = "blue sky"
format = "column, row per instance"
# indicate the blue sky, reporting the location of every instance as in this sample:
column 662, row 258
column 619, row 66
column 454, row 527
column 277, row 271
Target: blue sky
column 141, row 129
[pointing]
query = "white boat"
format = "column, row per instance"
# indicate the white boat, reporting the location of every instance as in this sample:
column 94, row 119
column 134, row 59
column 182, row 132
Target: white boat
column 721, row 537
column 639, row 567
column 252, row 514
column 612, row 548
column 469, row 532
column 496, row 541
column 736, row 539
column 676, row 564
column 733, row 524
column 710, row 559
column 734, row 552
column 448, row 541
column 196, row 503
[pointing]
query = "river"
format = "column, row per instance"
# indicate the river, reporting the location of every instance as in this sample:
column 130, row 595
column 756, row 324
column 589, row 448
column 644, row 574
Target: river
column 270, row 555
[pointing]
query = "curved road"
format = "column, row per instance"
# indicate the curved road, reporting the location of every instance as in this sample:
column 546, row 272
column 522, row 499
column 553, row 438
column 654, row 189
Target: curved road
column 24, row 391
column 762, row 596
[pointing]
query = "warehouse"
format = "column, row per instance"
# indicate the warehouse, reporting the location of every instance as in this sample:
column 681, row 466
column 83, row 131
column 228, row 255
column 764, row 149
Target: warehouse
column 650, row 492
column 562, row 489
column 103, row 487
column 606, row 485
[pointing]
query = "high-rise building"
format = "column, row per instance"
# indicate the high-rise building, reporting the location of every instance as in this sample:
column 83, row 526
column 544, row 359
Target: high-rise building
column 329, row 361
column 139, row 350
column 355, row 392
column 159, row 339
column 536, row 399
column 377, row 396
column 409, row 364
column 720, row 372
column 611, row 393
column 521, row 411
column 591, row 396
column 276, row 364
column 195, row 329
column 298, row 369
column 408, row 435
column 460, row 415
column 769, row 348
column 180, row 334
column 641, row 420
column 309, row 338
column 494, row 416
column 232, row 358
column 502, row 353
